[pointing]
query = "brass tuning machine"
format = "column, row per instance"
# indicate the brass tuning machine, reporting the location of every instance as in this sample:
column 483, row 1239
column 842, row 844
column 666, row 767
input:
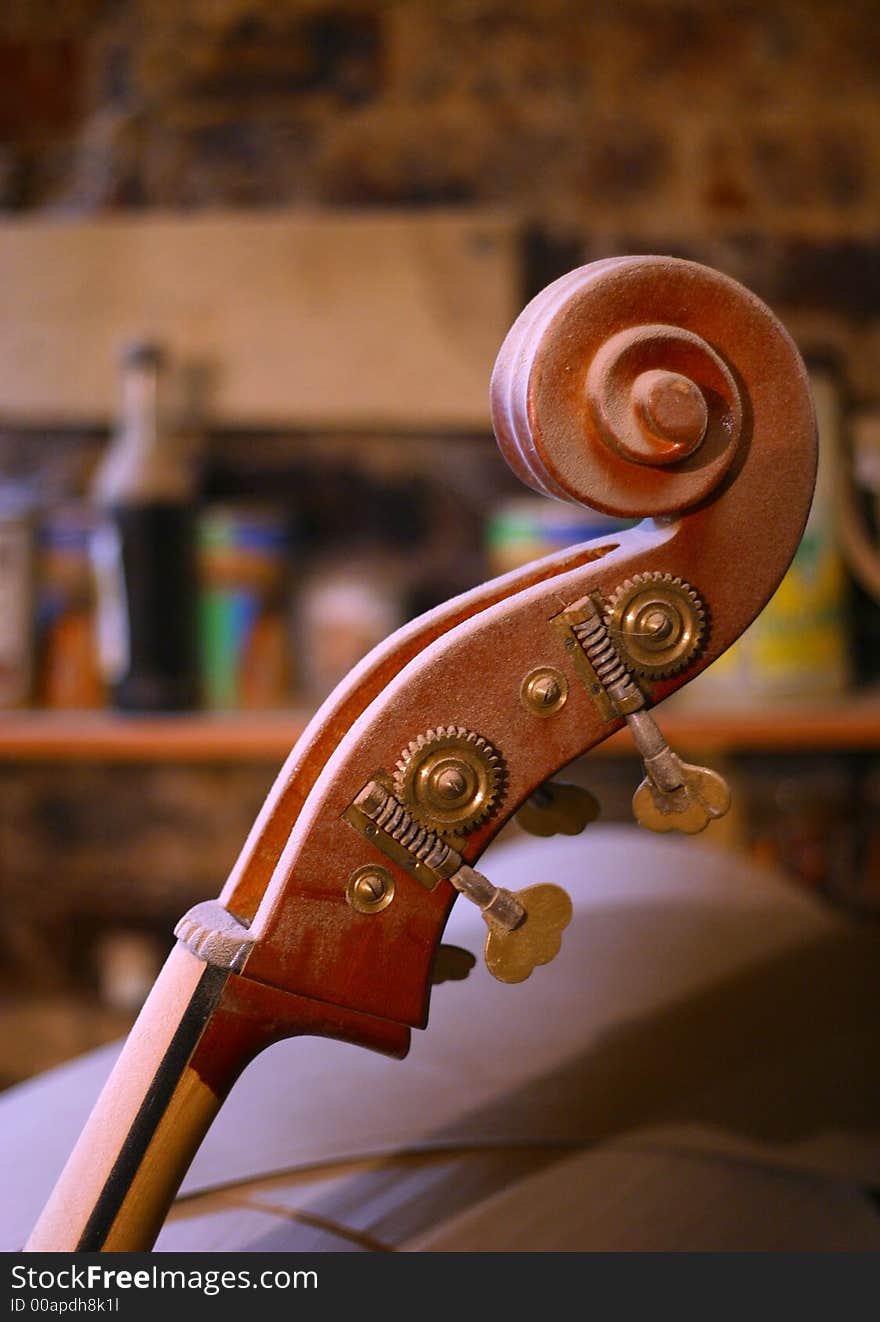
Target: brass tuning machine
column 651, row 627
column 525, row 927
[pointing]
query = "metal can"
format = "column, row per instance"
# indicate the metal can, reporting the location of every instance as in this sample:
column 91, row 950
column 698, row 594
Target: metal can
column 68, row 664
column 16, row 598
column 799, row 647
column 525, row 528
column 243, row 620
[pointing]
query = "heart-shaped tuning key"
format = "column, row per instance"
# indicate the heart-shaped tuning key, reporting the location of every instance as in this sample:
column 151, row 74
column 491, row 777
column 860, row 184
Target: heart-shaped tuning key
column 689, row 807
column 525, row 929
column 556, row 809
column 512, row 955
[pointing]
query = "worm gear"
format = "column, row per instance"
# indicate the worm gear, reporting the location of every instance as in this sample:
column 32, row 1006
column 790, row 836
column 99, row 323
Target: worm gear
column 657, row 623
column 449, row 778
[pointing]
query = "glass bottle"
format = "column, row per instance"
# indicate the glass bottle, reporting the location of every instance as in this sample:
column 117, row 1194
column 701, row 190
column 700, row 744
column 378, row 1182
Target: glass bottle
column 144, row 551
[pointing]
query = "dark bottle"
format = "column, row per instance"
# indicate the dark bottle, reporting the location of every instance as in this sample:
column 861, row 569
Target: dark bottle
column 145, row 550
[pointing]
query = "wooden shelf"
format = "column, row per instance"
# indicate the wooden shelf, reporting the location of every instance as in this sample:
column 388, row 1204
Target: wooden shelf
column 851, row 723
column 117, row 737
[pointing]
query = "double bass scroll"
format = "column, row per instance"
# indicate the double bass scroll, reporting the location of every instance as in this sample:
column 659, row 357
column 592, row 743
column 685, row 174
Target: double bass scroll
column 648, row 387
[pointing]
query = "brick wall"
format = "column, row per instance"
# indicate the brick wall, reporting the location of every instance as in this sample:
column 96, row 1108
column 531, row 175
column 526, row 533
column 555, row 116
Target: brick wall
column 680, row 118
column 744, row 134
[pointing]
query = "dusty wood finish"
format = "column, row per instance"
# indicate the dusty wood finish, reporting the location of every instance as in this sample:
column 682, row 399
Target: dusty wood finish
column 248, row 880
column 298, row 317
column 306, row 932
column 744, row 483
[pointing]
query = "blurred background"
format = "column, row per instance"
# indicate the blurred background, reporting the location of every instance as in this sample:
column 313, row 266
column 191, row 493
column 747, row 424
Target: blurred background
column 257, row 260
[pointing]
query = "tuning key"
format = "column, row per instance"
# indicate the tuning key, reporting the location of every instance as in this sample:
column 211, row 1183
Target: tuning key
column 525, row 927
column 557, row 809
column 675, row 795
column 701, row 796
column 512, row 954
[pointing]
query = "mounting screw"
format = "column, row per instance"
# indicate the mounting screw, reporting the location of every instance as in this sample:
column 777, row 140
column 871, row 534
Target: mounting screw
column 370, row 889
column 543, row 691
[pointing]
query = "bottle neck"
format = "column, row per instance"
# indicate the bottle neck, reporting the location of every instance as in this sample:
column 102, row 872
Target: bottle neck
column 139, row 428
column 143, row 464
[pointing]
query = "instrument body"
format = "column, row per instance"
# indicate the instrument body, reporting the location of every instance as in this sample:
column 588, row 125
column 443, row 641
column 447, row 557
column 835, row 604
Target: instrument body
column 647, row 387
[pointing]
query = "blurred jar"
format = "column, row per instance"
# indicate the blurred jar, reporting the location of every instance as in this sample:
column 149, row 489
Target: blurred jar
column 800, row 645
column 244, row 577
column 526, row 528
column 345, row 608
column 127, row 965
column 68, row 668
column 16, row 596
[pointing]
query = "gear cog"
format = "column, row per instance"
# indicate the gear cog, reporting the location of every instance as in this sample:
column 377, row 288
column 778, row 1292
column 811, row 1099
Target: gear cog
column 657, row 622
column 449, row 778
